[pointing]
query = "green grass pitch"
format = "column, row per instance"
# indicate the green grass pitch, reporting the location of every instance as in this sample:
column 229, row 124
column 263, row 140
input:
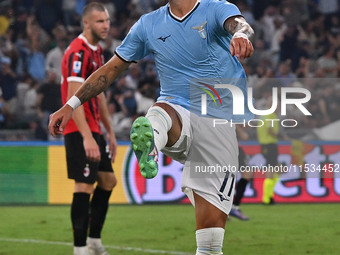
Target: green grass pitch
column 285, row 229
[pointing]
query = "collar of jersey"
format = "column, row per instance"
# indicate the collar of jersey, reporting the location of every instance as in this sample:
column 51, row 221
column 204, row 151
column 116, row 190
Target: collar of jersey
column 92, row 47
column 186, row 15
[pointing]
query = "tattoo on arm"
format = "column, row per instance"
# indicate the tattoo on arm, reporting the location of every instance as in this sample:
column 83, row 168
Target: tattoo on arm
column 90, row 90
column 101, row 79
column 238, row 24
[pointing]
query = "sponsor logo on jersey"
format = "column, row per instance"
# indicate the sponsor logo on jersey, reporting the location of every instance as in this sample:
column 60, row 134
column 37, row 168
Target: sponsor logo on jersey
column 163, row 38
column 76, row 66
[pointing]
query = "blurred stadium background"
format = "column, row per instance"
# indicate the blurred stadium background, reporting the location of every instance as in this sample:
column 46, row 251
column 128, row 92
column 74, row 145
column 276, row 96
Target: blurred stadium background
column 294, row 41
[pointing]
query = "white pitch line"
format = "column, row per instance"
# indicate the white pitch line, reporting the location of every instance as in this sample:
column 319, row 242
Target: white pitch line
column 125, row 248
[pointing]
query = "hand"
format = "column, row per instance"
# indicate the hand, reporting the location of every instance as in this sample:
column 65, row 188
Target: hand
column 59, row 119
column 91, row 149
column 112, row 146
column 241, row 47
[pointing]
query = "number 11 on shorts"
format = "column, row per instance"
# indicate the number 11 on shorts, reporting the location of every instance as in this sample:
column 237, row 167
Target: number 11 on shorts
column 228, row 179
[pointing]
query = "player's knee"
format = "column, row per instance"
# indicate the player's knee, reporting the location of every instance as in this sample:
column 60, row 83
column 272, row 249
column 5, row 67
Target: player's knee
column 167, row 115
column 217, row 221
column 161, row 118
column 160, row 112
column 209, row 241
column 113, row 182
column 107, row 182
column 207, row 215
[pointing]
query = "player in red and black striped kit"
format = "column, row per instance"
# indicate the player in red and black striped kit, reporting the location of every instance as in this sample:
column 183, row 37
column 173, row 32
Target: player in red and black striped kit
column 88, row 161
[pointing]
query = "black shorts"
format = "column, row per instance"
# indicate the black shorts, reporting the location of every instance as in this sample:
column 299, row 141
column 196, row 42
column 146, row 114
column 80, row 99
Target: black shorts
column 270, row 153
column 79, row 167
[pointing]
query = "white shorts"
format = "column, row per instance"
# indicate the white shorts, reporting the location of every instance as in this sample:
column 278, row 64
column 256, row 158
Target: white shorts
column 210, row 158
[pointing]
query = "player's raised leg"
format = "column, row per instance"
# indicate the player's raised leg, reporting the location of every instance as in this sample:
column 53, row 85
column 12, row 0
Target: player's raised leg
column 159, row 128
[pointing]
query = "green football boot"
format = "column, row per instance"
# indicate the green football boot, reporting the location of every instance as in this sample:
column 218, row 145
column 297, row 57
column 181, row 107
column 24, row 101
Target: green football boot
column 143, row 144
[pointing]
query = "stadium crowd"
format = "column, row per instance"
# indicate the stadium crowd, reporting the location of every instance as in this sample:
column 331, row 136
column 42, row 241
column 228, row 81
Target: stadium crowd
column 297, row 44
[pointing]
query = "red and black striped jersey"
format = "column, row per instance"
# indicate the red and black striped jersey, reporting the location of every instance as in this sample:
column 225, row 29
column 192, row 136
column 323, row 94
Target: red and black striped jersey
column 80, row 60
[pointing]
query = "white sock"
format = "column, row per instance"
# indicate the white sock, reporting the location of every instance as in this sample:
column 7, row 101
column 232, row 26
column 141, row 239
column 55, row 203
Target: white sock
column 161, row 124
column 94, row 242
column 209, row 241
column 80, row 250
column 235, row 207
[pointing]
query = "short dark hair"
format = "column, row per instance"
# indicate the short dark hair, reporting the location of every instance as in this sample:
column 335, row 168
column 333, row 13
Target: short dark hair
column 91, row 7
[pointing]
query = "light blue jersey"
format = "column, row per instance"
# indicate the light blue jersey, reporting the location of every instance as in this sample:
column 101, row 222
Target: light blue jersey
column 188, row 50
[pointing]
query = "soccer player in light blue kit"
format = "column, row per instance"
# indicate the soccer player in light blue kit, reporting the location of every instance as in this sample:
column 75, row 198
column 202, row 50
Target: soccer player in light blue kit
column 192, row 39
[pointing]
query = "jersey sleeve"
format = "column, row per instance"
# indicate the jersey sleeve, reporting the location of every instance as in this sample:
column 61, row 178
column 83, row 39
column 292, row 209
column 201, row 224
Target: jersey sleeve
column 134, row 45
column 76, row 66
column 223, row 11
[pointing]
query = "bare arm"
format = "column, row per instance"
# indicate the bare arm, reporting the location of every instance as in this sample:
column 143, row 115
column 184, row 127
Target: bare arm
column 105, row 119
column 240, row 45
column 95, row 84
column 104, row 113
column 90, row 145
column 101, row 79
column 38, row 104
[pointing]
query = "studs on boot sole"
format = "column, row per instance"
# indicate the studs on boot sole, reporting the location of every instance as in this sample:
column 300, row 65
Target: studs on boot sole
column 148, row 134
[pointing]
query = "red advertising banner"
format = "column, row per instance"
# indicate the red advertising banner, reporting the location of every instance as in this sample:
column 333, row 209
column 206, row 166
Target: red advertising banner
column 315, row 180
